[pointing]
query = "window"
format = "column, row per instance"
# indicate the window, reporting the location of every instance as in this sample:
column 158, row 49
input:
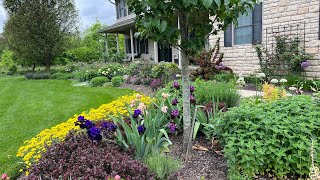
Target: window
column 248, row 31
column 121, row 8
column 140, row 46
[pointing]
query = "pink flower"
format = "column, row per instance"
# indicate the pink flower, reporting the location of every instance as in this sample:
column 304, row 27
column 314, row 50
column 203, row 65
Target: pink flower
column 164, row 109
column 138, row 96
column 117, row 177
column 4, row 176
column 164, row 95
column 142, row 107
column 132, row 104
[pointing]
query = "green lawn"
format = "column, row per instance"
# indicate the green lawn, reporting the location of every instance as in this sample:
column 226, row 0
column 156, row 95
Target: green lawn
column 29, row 106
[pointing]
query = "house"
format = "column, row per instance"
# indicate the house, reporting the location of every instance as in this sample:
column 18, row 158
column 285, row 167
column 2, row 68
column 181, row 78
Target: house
column 271, row 17
column 138, row 48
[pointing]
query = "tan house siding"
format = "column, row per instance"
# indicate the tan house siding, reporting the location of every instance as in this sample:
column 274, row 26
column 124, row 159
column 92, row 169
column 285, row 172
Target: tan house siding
column 243, row 58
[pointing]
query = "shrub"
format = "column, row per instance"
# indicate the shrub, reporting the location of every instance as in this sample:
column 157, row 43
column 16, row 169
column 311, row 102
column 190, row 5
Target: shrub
column 98, row 81
column 165, row 71
column 85, row 75
column 117, row 81
column 61, row 76
column 225, row 77
column 162, row 165
column 223, row 92
column 112, row 70
column 142, row 69
column 80, row 157
column 273, row 137
column 37, row 75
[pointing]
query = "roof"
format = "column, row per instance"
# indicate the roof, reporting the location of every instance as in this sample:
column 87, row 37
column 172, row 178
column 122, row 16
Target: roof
column 119, row 27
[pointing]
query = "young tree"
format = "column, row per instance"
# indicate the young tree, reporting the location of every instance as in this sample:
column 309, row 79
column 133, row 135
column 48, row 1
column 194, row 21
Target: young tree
column 184, row 24
column 37, row 29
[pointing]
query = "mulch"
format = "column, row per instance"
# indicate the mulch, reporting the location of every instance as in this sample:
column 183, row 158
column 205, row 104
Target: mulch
column 146, row 90
column 210, row 164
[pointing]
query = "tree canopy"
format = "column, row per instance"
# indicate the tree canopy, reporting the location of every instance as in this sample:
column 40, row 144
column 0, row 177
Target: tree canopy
column 183, row 24
column 37, row 29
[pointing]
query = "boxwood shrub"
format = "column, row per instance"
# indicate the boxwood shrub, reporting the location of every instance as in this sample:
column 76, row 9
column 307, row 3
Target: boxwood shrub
column 273, row 137
column 98, row 81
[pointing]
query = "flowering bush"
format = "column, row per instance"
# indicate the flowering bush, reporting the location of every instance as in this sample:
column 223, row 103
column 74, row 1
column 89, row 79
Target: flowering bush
column 32, row 149
column 165, row 71
column 112, row 70
column 80, row 158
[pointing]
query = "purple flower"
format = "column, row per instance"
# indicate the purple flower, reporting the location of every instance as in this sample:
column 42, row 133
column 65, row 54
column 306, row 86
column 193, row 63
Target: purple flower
column 172, row 127
column 105, row 125
column 141, row 129
column 174, row 113
column 191, row 88
column 156, row 83
column 112, row 127
column 192, row 99
column 305, row 64
column 81, row 118
column 176, row 85
column 136, row 113
column 175, row 102
column 88, row 124
column 95, row 133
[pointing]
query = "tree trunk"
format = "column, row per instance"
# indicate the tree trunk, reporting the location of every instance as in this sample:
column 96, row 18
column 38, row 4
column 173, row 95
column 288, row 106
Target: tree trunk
column 48, row 65
column 33, row 67
column 185, row 85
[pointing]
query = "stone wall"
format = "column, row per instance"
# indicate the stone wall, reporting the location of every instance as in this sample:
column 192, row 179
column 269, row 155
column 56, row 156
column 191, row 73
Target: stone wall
column 243, row 58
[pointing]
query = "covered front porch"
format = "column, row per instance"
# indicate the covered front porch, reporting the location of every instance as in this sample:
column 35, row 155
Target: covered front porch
column 140, row 48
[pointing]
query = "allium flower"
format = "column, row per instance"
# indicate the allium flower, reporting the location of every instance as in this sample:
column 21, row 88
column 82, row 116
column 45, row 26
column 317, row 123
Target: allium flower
column 117, row 177
column 305, row 64
column 192, row 99
column 241, row 81
column 164, row 109
column 81, row 118
column 141, row 129
column 175, row 113
column 175, row 102
column 274, row 81
column 164, row 95
column 172, row 127
column 178, row 76
column 219, row 66
column 176, row 85
column 261, row 75
column 191, row 88
column 283, row 81
column 95, row 133
column 292, row 88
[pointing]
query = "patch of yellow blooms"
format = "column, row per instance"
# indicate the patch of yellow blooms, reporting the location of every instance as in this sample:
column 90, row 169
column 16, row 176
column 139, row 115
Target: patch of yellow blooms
column 270, row 92
column 32, row 149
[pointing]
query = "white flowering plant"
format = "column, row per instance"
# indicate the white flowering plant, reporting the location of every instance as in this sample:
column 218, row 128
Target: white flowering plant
column 112, row 70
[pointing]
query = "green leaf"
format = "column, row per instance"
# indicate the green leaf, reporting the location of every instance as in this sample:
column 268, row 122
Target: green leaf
column 207, row 3
column 195, row 130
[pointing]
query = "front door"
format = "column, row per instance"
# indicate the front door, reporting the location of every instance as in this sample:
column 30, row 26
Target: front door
column 165, row 53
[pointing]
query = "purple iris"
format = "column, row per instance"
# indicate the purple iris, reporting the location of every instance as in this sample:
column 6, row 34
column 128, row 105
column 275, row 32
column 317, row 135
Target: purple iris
column 174, row 113
column 176, row 85
column 105, row 125
column 81, row 118
column 88, row 124
column 112, row 127
column 305, row 64
column 191, row 88
column 172, row 127
column 141, row 129
column 95, row 133
column 175, row 102
column 192, row 99
column 136, row 113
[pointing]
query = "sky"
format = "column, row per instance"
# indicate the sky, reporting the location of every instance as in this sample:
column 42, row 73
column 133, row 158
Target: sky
column 89, row 12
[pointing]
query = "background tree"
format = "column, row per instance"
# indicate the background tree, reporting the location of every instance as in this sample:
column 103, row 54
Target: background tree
column 37, row 29
column 158, row 20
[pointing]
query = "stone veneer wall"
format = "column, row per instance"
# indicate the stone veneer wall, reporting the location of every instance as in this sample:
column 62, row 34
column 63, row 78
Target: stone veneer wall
column 243, row 58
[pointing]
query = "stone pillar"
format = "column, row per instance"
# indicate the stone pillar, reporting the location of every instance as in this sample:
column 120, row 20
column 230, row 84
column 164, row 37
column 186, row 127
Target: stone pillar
column 117, row 38
column 132, row 44
column 156, row 53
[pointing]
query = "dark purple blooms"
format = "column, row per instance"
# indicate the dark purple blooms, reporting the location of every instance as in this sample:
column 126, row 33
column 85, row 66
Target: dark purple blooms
column 191, row 88
column 81, row 118
column 176, row 85
column 156, row 83
column 172, row 127
column 175, row 113
column 88, row 124
column 305, row 64
column 219, row 66
column 109, row 126
column 141, row 129
column 136, row 113
column 95, row 133
column 175, row 102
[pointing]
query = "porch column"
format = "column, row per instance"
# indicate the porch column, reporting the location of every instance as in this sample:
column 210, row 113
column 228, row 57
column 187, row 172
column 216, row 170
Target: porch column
column 107, row 49
column 179, row 42
column 132, row 45
column 117, row 38
column 156, row 53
